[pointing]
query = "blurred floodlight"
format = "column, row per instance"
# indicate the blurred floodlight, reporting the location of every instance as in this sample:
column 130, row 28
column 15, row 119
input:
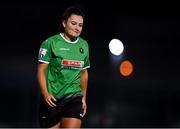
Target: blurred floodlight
column 126, row 68
column 116, row 47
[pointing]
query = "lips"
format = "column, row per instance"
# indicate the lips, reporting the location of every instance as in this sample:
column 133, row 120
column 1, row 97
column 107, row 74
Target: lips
column 76, row 32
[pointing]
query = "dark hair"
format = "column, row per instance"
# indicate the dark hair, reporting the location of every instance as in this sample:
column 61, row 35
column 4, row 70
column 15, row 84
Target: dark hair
column 67, row 13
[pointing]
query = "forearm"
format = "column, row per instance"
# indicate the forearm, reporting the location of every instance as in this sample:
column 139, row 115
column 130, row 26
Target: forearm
column 84, row 82
column 42, row 79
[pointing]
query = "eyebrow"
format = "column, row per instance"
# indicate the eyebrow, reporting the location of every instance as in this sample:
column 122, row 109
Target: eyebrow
column 77, row 22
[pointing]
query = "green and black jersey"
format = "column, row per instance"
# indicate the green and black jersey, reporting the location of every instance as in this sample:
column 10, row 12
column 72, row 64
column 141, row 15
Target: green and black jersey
column 65, row 61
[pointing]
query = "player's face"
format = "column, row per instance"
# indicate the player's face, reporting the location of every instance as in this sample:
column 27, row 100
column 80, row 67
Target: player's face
column 73, row 26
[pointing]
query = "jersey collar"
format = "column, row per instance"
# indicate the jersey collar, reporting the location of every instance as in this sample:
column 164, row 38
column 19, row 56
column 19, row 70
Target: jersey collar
column 72, row 42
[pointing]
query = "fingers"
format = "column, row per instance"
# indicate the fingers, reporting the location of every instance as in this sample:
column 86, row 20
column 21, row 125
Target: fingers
column 84, row 112
column 49, row 100
column 53, row 98
column 84, row 108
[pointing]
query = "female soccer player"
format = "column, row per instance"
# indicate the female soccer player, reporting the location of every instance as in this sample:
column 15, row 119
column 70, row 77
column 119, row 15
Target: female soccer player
column 63, row 75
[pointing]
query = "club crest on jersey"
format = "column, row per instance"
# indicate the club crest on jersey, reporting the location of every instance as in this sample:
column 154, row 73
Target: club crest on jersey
column 81, row 50
column 42, row 52
column 72, row 64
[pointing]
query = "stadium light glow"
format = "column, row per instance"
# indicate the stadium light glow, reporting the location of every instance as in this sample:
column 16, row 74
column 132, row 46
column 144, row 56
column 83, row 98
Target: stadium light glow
column 116, row 47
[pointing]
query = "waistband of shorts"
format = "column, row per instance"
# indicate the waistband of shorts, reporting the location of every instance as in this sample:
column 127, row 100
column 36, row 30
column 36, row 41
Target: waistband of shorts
column 68, row 96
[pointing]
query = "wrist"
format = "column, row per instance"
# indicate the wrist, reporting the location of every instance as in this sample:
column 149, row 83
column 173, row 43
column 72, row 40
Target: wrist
column 45, row 94
column 84, row 98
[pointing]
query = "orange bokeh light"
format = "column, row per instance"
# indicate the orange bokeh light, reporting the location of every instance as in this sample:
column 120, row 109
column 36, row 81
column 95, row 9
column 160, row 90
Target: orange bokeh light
column 126, row 68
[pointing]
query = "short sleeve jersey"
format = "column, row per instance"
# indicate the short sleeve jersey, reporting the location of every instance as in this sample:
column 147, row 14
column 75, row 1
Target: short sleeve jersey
column 65, row 61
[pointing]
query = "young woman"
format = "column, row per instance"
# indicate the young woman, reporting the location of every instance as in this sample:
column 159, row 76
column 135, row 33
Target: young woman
column 63, row 75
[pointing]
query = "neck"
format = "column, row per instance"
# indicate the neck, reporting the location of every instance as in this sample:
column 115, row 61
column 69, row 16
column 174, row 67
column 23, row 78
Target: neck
column 69, row 37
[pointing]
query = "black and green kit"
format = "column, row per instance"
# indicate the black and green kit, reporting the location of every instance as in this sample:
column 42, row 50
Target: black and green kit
column 65, row 61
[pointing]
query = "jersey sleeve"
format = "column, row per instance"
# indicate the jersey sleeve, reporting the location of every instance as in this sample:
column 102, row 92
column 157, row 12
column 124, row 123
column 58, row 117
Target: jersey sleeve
column 44, row 55
column 87, row 61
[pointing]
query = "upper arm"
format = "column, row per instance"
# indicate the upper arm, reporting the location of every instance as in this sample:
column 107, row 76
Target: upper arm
column 84, row 73
column 42, row 65
column 42, row 68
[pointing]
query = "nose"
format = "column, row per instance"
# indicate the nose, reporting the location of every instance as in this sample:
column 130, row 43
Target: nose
column 77, row 28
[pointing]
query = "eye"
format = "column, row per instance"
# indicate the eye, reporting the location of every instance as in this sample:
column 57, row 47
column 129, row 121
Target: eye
column 73, row 23
column 80, row 25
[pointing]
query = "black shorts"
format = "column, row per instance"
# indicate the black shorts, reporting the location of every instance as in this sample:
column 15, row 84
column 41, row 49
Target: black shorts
column 67, row 107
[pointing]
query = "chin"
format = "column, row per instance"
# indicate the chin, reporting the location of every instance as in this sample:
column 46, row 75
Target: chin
column 75, row 36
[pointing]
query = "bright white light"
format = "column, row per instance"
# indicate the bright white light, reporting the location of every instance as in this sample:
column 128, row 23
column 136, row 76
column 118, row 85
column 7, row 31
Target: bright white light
column 116, row 47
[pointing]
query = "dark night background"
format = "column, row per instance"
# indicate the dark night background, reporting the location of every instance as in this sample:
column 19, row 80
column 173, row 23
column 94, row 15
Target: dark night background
column 150, row 97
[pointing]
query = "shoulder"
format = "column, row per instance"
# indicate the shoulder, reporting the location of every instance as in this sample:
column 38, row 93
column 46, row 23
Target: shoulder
column 53, row 38
column 83, row 41
column 50, row 39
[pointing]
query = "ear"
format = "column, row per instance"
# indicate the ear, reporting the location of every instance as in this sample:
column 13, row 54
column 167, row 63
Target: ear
column 64, row 24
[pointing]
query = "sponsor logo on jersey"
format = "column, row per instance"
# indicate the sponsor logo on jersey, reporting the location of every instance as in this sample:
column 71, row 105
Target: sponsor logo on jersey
column 72, row 64
column 64, row 49
column 42, row 52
